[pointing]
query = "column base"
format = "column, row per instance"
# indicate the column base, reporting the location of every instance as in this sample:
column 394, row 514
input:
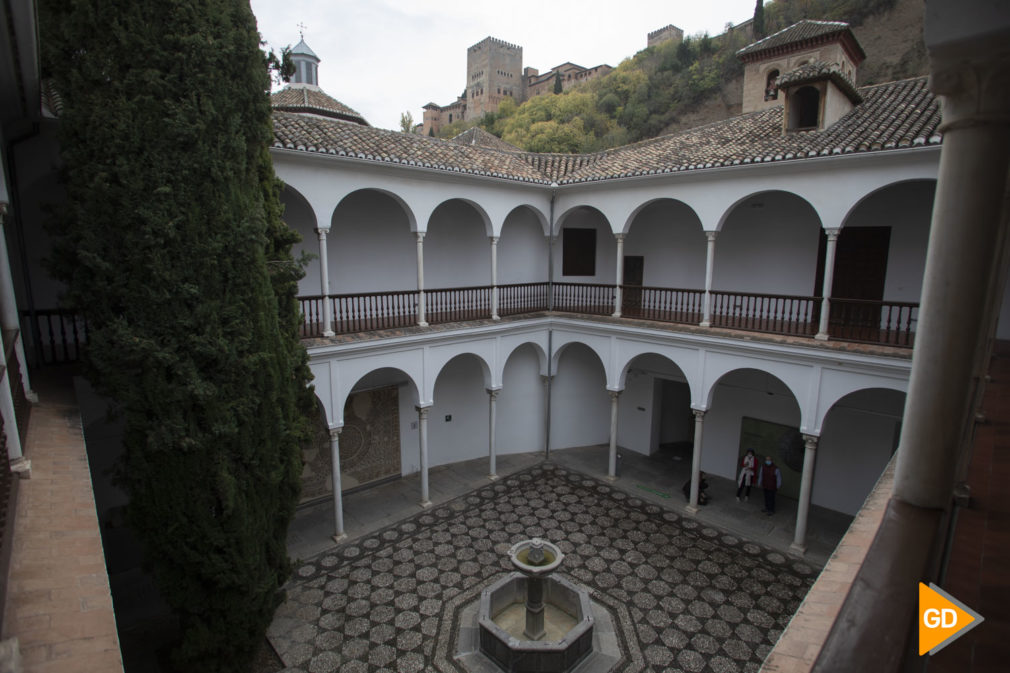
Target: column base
column 611, row 478
column 821, row 336
column 797, row 549
column 339, row 538
column 422, row 324
column 615, row 314
column 329, row 333
column 705, row 323
column 496, row 317
column 425, row 504
column 22, row 467
column 691, row 509
column 32, row 396
column 493, row 477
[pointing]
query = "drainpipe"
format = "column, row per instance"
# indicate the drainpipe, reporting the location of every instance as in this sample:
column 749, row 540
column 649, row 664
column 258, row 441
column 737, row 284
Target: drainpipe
column 550, row 307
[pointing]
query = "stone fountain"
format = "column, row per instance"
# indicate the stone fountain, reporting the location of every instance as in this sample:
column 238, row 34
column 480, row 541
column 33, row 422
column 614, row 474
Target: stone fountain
column 531, row 621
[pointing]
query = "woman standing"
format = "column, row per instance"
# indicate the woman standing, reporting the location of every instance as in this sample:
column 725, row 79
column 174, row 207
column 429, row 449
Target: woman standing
column 746, row 477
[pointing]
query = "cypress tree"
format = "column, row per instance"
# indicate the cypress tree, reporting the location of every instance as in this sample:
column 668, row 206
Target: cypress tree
column 558, row 88
column 759, row 19
column 171, row 244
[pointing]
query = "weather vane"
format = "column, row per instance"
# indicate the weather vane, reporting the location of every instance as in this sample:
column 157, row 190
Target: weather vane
column 301, row 30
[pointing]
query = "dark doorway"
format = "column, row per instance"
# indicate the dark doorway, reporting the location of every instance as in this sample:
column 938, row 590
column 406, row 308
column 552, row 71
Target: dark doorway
column 634, row 272
column 578, row 248
column 860, row 273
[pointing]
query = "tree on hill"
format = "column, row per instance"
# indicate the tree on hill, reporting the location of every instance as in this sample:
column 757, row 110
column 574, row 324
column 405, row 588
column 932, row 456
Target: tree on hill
column 406, row 122
column 758, row 24
column 558, row 87
column 171, row 244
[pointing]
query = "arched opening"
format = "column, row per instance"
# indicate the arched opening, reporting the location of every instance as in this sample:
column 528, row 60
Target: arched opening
column 753, row 409
column 458, row 417
column 580, row 406
column 858, row 437
column 522, row 262
column 654, row 411
column 771, row 90
column 521, row 412
column 586, row 250
column 804, row 108
column 664, row 248
column 298, row 215
column 370, row 224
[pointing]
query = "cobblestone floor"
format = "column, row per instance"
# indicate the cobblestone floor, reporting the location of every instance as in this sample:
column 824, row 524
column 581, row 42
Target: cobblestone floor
column 683, row 596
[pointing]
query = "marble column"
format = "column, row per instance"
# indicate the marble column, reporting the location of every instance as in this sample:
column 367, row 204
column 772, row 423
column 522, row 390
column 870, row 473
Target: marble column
column 420, row 280
column 422, row 432
column 619, row 280
column 829, row 276
column 612, row 462
column 494, row 279
column 10, row 318
column 546, row 380
column 493, row 470
column 699, row 426
column 338, row 495
column 324, row 284
column 799, row 545
column 706, row 317
column 963, row 267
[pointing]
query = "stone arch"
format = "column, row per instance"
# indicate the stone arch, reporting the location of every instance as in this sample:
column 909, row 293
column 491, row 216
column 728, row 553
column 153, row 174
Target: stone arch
column 588, row 257
column 479, row 209
column 537, row 348
column 779, row 377
column 457, row 251
column 665, row 240
column 645, row 350
column 545, row 225
column 521, row 401
column 600, row 346
column 523, row 246
column 365, row 224
column 439, row 361
column 399, row 200
column 580, row 405
column 458, row 416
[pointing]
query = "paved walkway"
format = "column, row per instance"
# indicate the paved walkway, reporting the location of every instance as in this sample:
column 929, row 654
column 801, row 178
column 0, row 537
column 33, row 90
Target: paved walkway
column 656, row 478
column 58, row 601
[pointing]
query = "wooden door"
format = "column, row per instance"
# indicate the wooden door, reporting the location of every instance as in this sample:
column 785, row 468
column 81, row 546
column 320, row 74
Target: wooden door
column 634, row 272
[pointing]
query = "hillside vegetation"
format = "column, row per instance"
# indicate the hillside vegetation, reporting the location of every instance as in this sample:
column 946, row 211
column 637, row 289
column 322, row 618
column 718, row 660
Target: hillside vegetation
column 675, row 85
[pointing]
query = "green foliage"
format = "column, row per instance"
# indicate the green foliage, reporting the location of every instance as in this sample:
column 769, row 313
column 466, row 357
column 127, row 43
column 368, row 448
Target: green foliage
column 406, row 122
column 171, row 243
column 758, row 26
column 558, row 86
column 646, row 93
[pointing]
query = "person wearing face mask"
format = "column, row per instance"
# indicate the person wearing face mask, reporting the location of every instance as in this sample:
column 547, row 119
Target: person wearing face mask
column 770, row 479
column 746, row 477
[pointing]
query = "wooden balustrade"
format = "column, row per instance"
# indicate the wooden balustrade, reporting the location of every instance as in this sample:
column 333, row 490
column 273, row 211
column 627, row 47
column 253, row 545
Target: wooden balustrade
column 311, row 307
column 57, row 334
column 882, row 322
column 520, row 298
column 662, row 304
column 454, row 304
column 775, row 313
column 591, row 298
column 374, row 311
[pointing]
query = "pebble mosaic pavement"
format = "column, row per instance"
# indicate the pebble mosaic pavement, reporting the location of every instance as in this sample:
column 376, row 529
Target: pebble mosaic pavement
column 683, row 596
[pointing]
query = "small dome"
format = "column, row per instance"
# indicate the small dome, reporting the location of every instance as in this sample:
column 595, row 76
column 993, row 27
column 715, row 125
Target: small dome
column 302, row 49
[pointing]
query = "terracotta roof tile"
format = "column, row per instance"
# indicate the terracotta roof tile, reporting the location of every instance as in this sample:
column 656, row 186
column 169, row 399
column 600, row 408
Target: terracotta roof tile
column 811, row 72
column 798, row 32
column 312, row 100
column 894, row 115
column 478, row 137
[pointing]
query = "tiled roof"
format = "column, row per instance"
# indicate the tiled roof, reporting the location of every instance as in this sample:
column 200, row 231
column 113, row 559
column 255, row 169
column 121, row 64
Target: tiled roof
column 894, row 115
column 812, row 72
column 312, row 100
column 478, row 137
column 798, row 32
column 309, row 133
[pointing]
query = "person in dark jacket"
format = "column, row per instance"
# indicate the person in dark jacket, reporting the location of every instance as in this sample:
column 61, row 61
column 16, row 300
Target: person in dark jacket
column 770, row 479
column 702, row 485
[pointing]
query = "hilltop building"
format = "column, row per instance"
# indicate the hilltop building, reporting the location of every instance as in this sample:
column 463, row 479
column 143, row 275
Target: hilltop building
column 494, row 71
column 822, row 276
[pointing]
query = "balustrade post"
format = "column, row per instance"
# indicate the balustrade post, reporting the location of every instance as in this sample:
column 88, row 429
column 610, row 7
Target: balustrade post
column 324, row 284
column 338, row 494
column 619, row 275
column 494, row 279
column 420, row 280
column 829, row 275
column 706, row 315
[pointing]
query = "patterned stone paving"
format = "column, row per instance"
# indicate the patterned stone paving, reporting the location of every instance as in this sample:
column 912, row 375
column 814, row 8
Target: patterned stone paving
column 684, row 596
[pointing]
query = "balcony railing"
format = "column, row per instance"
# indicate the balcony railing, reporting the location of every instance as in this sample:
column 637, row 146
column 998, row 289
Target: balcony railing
column 57, row 335
column 457, row 303
column 662, row 304
column 521, row 298
column 590, row 298
column 879, row 322
column 774, row 313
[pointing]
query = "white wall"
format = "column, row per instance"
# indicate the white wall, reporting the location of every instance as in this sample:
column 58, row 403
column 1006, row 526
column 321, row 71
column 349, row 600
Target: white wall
column 459, row 392
column 858, row 437
column 298, row 215
column 907, row 209
column 520, row 409
column 669, row 236
column 606, row 247
column 769, row 248
column 676, row 420
column 643, row 406
column 522, row 249
column 457, row 249
column 580, row 406
column 370, row 246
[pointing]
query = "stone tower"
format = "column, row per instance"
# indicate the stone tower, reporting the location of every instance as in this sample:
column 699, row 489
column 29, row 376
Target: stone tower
column 493, row 71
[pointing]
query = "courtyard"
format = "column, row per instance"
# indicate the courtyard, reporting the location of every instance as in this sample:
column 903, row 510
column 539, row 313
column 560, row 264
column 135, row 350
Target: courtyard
column 684, row 594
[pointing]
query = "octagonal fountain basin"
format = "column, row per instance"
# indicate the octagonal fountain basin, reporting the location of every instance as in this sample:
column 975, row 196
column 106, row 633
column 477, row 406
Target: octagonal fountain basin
column 568, row 625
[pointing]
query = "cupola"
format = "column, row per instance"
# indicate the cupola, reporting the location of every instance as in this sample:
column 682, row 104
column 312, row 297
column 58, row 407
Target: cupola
column 815, row 96
column 306, row 65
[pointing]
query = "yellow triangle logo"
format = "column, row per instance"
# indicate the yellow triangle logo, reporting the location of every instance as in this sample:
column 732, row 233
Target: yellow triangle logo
column 942, row 619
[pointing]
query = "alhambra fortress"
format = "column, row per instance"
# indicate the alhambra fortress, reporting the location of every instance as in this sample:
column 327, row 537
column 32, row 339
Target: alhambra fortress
column 583, row 348
column 494, row 71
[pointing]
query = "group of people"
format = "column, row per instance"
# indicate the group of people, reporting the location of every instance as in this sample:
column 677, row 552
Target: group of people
column 769, row 479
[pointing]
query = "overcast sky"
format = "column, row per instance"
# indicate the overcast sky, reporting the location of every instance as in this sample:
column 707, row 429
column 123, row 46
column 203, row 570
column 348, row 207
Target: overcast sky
column 384, row 57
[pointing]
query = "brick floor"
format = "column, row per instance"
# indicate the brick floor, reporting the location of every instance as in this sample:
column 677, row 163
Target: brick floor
column 58, row 604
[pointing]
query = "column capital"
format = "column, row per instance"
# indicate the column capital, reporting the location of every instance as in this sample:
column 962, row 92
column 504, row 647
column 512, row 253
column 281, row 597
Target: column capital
column 420, row 235
column 620, row 237
column 973, row 85
column 422, row 411
column 494, row 239
column 710, row 235
column 699, row 414
column 335, row 433
column 493, row 392
column 545, row 379
column 321, row 232
column 614, row 394
column 810, row 441
column 833, row 233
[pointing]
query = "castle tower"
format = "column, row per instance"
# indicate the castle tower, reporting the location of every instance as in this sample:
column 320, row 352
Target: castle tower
column 493, row 71
column 306, row 65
